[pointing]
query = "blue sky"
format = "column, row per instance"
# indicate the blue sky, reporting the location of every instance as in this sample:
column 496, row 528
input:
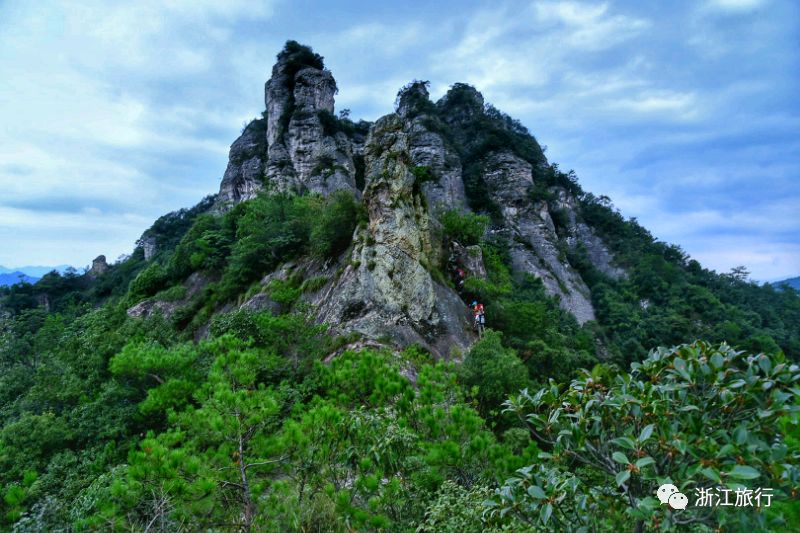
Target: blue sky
column 685, row 113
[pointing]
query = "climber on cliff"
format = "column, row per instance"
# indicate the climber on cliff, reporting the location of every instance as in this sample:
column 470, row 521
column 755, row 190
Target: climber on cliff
column 479, row 314
column 460, row 277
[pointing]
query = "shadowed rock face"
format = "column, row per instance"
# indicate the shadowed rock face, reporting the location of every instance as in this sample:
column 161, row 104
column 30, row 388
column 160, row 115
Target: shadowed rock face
column 387, row 289
column 150, row 247
column 532, row 233
column 99, row 267
column 578, row 233
column 427, row 149
column 244, row 177
column 289, row 150
column 413, row 172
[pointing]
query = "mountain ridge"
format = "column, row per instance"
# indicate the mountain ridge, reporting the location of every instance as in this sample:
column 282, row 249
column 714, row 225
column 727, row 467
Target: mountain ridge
column 299, row 146
column 424, row 163
column 295, row 353
column 13, row 277
column 35, row 271
column 792, row 282
column 368, row 224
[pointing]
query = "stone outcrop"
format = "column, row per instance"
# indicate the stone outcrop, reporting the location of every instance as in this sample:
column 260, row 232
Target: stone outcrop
column 149, row 247
column 388, row 288
column 295, row 146
column 412, row 166
column 470, row 258
column 444, row 188
column 532, row 234
column 244, row 176
column 580, row 234
column 99, row 267
column 167, row 308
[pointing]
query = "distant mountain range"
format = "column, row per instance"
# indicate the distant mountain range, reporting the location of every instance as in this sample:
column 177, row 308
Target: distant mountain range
column 28, row 274
column 792, row 282
column 10, row 278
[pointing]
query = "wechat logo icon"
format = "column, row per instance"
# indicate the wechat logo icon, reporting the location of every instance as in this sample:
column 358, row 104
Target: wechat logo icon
column 669, row 494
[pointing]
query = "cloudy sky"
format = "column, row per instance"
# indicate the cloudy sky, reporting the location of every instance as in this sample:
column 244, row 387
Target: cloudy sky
column 687, row 117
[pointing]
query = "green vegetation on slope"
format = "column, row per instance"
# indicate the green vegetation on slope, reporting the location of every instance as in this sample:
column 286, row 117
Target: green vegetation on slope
column 668, row 298
column 114, row 423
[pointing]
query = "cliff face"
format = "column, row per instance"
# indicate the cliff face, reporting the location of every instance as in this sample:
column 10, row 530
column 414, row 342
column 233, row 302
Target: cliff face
column 532, row 233
column 289, row 149
column 388, row 289
column 418, row 162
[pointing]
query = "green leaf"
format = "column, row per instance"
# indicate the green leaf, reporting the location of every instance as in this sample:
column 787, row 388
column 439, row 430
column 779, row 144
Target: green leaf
column 536, row 492
column 644, row 461
column 622, row 477
column 624, row 442
column 646, row 432
column 620, row 458
column 740, row 435
column 546, row 511
column 680, row 367
column 711, row 474
column 765, row 363
column 744, row 472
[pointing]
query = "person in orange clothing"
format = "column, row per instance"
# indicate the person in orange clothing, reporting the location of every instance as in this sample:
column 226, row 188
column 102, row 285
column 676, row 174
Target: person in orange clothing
column 479, row 315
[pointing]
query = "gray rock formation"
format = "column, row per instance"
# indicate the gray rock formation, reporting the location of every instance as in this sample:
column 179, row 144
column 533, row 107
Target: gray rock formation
column 293, row 147
column 387, row 285
column 388, row 289
column 470, row 258
column 579, row 234
column 532, row 233
column 445, row 188
column 244, row 177
column 167, row 308
column 149, row 246
column 99, row 267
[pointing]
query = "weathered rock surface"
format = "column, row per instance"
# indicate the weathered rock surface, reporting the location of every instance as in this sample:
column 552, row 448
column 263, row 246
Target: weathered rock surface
column 149, row 308
column 244, row 177
column 388, row 289
column 263, row 300
column 99, row 267
column 146, row 308
column 445, row 189
column 532, row 233
column 470, row 258
column 290, row 149
column 581, row 234
column 384, row 287
column 427, row 149
column 150, row 247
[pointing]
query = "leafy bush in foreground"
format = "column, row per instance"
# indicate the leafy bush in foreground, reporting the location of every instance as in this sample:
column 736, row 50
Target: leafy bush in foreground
column 697, row 416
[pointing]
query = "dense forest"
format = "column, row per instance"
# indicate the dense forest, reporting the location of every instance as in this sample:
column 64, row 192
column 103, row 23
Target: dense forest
column 218, row 418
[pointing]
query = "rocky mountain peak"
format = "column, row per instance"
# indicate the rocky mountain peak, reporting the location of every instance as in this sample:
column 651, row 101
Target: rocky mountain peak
column 462, row 103
column 99, row 266
column 409, row 169
column 412, row 99
column 294, row 146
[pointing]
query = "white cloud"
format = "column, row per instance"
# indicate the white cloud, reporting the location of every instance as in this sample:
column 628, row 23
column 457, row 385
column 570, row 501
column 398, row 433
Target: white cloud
column 767, row 261
column 116, row 114
column 99, row 104
column 590, row 26
column 736, row 5
column 671, row 104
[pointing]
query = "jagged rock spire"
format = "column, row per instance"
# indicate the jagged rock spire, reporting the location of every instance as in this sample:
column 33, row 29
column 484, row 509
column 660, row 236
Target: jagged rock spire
column 415, row 163
column 296, row 145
